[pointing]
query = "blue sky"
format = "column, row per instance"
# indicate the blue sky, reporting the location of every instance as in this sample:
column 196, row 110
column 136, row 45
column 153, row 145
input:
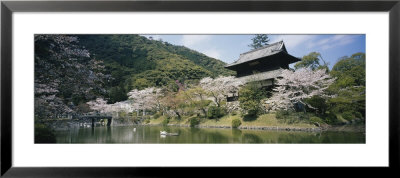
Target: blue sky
column 228, row 47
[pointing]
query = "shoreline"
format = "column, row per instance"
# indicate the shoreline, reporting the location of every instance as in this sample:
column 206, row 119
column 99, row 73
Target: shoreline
column 317, row 129
column 267, row 122
column 335, row 128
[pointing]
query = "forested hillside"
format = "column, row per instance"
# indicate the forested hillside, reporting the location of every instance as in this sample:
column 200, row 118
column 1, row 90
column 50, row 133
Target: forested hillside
column 73, row 69
column 135, row 62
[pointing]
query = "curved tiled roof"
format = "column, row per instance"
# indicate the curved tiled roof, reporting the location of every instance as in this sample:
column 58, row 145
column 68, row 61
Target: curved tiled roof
column 258, row 53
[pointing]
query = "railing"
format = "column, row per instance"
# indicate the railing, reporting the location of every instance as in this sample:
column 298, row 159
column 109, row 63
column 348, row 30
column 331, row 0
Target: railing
column 96, row 114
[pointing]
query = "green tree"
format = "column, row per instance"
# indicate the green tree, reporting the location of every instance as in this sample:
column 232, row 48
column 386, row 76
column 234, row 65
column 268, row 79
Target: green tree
column 312, row 60
column 349, row 87
column 250, row 97
column 318, row 103
column 349, row 71
column 141, row 83
column 117, row 94
column 215, row 112
column 259, row 40
column 236, row 123
column 131, row 57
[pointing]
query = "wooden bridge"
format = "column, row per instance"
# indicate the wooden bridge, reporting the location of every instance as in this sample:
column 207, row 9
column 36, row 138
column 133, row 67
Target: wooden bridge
column 95, row 117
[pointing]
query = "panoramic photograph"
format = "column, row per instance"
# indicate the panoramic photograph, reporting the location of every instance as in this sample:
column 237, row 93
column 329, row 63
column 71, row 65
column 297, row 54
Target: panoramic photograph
column 199, row 89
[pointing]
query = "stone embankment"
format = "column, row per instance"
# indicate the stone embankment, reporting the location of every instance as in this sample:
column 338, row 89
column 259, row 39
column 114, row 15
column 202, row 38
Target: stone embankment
column 316, row 129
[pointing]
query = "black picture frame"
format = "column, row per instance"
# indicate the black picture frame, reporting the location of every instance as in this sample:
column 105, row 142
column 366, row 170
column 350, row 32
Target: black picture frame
column 8, row 7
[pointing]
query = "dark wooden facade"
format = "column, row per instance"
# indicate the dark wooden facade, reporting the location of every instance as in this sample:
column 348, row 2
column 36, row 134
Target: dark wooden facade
column 262, row 66
column 265, row 59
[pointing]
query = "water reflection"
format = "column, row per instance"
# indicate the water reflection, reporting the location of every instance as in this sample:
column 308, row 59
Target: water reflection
column 151, row 134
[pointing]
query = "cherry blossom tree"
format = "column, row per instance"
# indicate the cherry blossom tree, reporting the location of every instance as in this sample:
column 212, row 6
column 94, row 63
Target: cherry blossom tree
column 220, row 88
column 65, row 75
column 148, row 98
column 295, row 86
column 100, row 105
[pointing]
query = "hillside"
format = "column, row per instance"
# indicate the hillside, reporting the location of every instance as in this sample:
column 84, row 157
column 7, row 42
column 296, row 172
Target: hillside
column 134, row 61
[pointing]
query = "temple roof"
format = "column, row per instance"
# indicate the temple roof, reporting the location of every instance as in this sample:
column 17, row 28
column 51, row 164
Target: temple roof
column 262, row 52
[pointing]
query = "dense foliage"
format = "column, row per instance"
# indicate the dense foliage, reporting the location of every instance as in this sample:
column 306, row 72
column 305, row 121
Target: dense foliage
column 71, row 70
column 236, row 123
column 250, row 97
column 348, row 103
column 136, row 62
column 349, row 87
column 66, row 75
column 313, row 61
column 138, row 77
column 215, row 112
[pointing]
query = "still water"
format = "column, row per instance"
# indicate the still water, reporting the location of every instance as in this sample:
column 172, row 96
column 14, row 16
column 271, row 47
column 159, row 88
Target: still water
column 151, row 134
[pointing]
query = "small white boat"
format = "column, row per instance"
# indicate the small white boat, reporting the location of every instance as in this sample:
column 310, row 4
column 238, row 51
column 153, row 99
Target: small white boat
column 169, row 134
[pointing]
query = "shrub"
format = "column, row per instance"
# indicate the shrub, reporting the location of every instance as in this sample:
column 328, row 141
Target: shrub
column 347, row 115
column 194, row 121
column 331, row 119
column 317, row 102
column 122, row 114
column 236, row 123
column 215, row 112
column 157, row 115
column 358, row 115
column 315, row 119
column 146, row 121
column 250, row 97
column 282, row 114
column 165, row 122
column 302, row 116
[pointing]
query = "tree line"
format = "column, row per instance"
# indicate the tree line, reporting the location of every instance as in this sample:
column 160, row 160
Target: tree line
column 310, row 93
column 73, row 79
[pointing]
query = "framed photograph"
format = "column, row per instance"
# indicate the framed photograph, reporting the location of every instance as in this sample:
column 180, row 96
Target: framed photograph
column 141, row 88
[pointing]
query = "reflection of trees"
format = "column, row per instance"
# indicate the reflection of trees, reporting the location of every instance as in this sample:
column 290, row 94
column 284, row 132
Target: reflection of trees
column 236, row 136
column 151, row 134
column 296, row 137
column 236, row 132
column 108, row 139
column 211, row 137
column 251, row 138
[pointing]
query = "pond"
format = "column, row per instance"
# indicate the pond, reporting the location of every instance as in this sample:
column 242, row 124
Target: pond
column 151, row 135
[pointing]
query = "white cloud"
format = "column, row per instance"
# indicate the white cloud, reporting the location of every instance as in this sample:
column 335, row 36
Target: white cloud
column 195, row 40
column 311, row 41
column 292, row 41
column 201, row 43
column 334, row 41
column 213, row 53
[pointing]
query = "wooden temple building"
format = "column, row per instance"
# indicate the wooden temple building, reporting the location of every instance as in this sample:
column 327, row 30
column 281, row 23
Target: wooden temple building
column 262, row 65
